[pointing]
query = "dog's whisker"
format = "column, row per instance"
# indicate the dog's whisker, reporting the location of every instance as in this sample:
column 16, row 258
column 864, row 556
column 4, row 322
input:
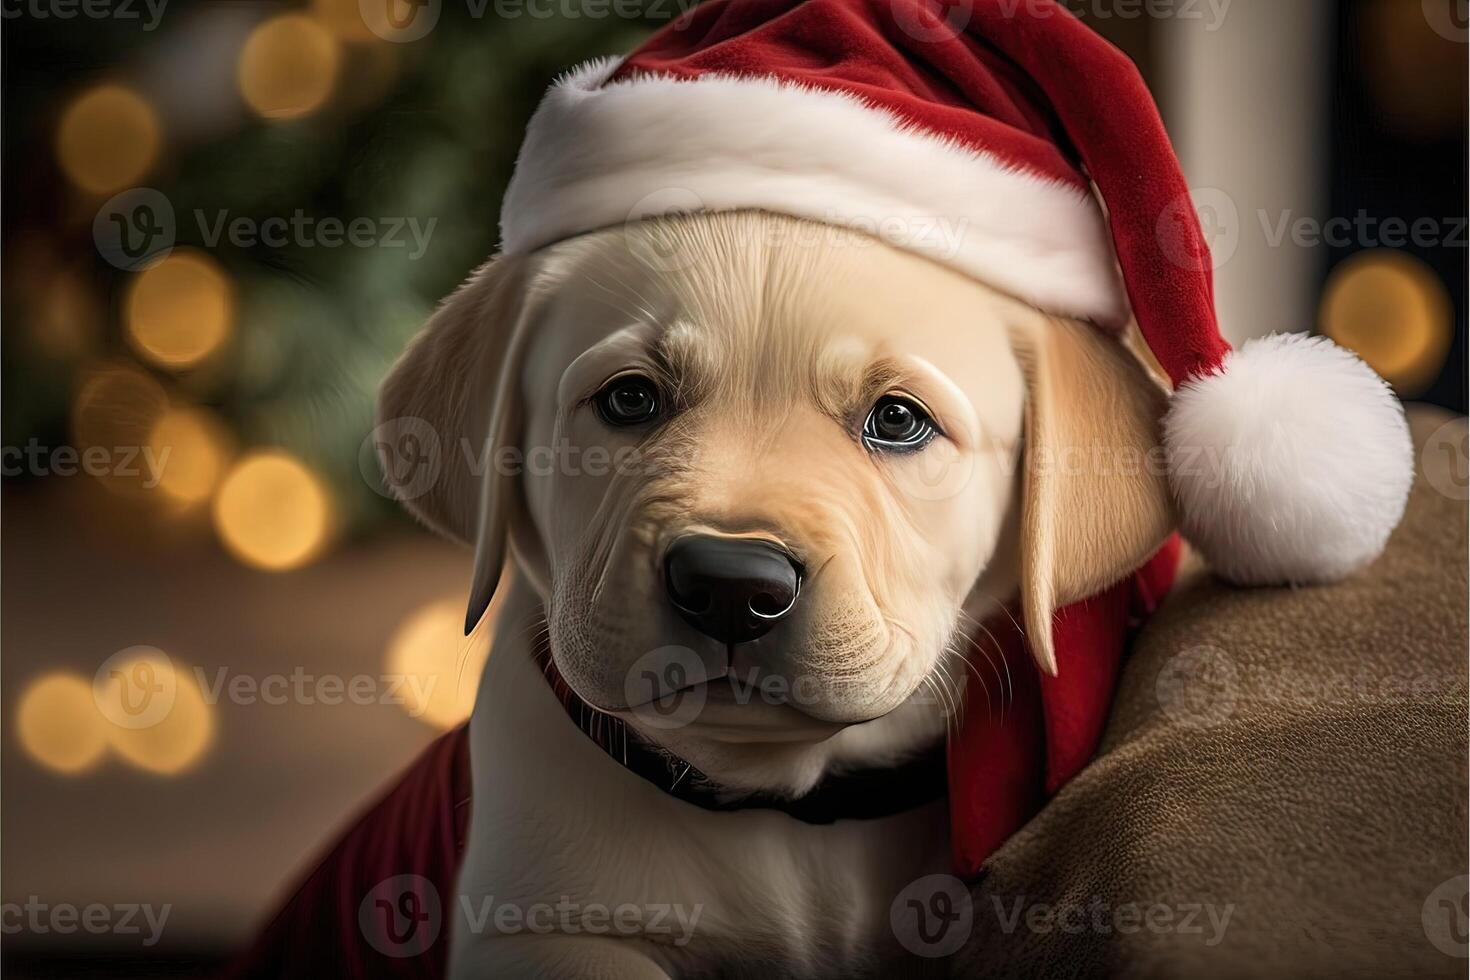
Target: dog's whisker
column 1005, row 609
column 1005, row 695
column 951, row 717
column 985, row 652
column 957, row 694
column 1007, row 684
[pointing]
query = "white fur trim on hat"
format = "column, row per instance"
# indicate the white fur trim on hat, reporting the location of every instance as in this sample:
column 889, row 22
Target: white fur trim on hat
column 1291, row 464
column 597, row 155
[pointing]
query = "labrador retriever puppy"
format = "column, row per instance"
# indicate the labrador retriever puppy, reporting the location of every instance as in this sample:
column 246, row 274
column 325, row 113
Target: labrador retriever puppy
column 750, row 486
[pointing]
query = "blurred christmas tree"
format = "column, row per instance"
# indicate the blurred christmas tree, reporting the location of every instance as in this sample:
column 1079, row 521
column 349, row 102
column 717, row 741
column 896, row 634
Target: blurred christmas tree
column 322, row 187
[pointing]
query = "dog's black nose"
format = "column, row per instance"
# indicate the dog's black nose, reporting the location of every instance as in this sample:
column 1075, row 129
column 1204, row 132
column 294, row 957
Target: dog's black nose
column 733, row 589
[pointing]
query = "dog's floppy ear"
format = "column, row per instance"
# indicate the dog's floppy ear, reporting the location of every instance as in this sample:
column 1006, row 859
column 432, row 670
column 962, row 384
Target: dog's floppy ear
column 452, row 400
column 1095, row 497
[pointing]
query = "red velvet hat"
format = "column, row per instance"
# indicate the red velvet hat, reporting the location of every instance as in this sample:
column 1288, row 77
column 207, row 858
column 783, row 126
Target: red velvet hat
column 1007, row 140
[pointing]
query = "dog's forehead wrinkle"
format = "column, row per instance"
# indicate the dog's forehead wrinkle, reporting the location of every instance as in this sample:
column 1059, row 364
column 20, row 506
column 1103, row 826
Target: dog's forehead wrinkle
column 749, row 311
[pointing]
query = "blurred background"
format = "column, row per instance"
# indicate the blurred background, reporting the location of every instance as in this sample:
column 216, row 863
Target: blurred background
column 222, row 222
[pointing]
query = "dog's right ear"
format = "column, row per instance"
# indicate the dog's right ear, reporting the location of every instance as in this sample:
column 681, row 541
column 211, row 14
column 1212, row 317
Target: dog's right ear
column 446, row 410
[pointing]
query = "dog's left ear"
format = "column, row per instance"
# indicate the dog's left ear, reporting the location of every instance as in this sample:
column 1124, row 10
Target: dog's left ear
column 1095, row 495
column 452, row 399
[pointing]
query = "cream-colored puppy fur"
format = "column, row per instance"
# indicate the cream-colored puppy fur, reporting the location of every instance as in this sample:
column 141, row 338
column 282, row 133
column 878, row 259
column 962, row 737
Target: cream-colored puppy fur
column 770, row 340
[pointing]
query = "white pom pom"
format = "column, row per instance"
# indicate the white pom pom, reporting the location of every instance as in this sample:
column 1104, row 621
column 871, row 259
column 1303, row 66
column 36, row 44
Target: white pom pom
column 1292, row 464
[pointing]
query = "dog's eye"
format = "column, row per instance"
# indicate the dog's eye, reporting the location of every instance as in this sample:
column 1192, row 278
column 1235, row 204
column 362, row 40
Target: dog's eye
column 898, row 425
column 629, row 400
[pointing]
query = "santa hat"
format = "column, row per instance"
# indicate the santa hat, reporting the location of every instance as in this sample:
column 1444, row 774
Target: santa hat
column 1038, row 147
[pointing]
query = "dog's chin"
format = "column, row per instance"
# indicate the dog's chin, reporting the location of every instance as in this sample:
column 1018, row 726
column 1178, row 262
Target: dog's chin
column 776, row 750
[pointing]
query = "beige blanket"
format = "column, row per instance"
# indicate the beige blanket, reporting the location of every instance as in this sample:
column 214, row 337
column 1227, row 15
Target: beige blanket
column 1282, row 787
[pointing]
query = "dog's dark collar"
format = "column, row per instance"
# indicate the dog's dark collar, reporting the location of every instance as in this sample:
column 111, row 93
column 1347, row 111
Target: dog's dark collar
column 865, row 794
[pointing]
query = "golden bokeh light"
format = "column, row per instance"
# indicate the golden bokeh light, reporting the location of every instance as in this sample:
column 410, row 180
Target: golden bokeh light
column 108, row 139
column 167, row 741
column 272, row 512
column 441, row 665
column 58, row 724
column 115, row 408
column 1392, row 310
column 288, row 67
column 192, row 447
column 180, row 310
